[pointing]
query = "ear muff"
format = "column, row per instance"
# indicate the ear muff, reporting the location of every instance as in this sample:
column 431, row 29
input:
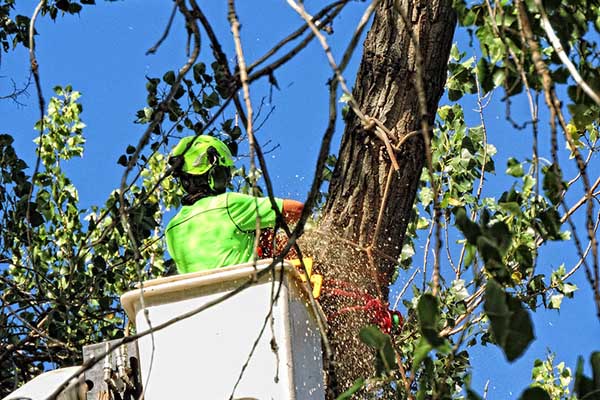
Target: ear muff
column 176, row 163
column 218, row 175
column 218, row 178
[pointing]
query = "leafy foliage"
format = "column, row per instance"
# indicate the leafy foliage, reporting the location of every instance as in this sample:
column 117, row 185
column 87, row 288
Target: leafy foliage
column 554, row 379
column 64, row 266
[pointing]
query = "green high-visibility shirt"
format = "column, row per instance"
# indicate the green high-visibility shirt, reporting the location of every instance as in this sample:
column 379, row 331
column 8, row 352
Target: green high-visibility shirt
column 217, row 231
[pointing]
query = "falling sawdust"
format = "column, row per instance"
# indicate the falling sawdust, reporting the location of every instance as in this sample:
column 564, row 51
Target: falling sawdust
column 337, row 259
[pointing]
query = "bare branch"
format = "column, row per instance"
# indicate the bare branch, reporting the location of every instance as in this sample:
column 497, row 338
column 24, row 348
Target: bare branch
column 560, row 51
column 17, row 92
column 325, row 11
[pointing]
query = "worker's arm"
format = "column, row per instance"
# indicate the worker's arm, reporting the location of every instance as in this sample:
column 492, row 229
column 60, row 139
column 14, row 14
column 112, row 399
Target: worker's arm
column 292, row 210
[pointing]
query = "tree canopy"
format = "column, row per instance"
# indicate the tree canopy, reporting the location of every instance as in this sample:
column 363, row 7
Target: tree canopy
column 432, row 200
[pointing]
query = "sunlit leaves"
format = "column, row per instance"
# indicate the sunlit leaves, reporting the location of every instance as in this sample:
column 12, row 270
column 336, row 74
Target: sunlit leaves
column 554, row 379
column 514, row 168
column 56, row 262
column 461, row 79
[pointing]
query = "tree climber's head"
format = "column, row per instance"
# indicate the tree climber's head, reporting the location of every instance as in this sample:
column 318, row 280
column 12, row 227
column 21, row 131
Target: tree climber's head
column 203, row 166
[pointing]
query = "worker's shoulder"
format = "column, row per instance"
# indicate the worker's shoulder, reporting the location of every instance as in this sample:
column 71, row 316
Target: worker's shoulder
column 201, row 206
column 235, row 196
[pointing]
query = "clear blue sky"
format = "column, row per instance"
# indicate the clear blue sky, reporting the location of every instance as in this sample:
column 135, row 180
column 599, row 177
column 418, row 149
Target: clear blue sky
column 101, row 54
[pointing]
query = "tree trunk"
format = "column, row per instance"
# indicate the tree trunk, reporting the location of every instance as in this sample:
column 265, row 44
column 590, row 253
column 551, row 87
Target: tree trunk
column 385, row 89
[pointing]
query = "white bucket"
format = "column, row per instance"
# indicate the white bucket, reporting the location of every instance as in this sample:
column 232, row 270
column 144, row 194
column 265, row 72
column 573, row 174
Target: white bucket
column 201, row 357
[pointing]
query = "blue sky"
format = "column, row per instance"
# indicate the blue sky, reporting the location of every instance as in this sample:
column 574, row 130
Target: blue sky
column 101, row 54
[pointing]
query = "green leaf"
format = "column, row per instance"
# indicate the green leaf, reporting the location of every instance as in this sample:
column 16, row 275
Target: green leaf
column 555, row 301
column 358, row 384
column 520, row 333
column 524, row 257
column 454, row 95
column 35, row 218
column 199, row 70
column 210, row 100
column 74, row 8
column 469, row 228
column 169, row 77
column 382, row 343
column 233, row 147
column 488, row 249
column 62, row 5
column 568, row 289
column 122, row 160
column 595, row 361
column 484, row 74
column 429, row 316
column 510, row 322
column 514, row 168
column 470, row 254
column 235, row 133
column 426, row 196
column 179, row 92
column 499, row 77
column 512, row 206
column 372, row 337
column 500, row 234
column 99, row 263
column 534, row 393
column 550, row 224
column 407, row 252
column 421, row 350
column 552, row 184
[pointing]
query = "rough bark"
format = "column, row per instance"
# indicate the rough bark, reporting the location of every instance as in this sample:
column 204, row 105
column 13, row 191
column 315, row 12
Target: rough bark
column 385, row 89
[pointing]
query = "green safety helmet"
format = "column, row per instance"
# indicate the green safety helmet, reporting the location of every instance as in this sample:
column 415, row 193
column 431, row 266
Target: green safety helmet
column 198, row 159
column 197, row 152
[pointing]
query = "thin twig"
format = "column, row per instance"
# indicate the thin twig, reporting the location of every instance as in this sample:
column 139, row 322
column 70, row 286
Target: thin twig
column 294, row 35
column 357, row 34
column 405, row 288
column 153, row 49
column 368, row 122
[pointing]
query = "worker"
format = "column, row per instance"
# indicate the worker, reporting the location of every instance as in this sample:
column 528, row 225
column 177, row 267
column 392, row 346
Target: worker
column 215, row 228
